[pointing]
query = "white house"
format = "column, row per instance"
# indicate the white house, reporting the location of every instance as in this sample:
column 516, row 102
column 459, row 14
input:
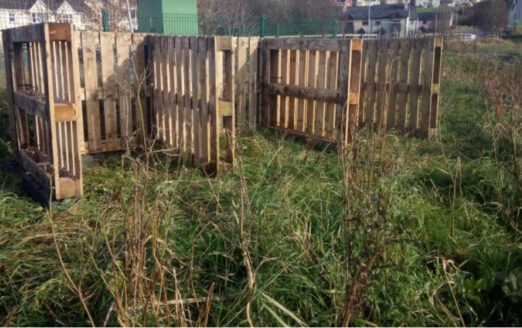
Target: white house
column 394, row 20
column 15, row 13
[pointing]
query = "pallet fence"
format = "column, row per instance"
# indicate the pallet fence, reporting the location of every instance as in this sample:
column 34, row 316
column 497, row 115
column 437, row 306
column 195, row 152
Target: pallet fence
column 113, row 90
column 75, row 93
column 311, row 86
column 401, row 83
column 193, row 96
column 43, row 89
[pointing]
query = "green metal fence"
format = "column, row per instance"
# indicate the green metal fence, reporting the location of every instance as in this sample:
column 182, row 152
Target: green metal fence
column 182, row 24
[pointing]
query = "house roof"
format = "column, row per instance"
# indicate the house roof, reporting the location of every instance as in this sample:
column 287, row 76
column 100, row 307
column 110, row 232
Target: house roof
column 17, row 4
column 77, row 5
column 392, row 11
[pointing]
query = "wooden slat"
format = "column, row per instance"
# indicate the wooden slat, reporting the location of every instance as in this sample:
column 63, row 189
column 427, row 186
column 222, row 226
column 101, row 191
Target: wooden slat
column 404, row 62
column 283, row 100
column 253, row 82
column 292, row 74
column 180, row 89
column 109, row 87
column 427, row 81
column 343, row 87
column 123, row 41
column 312, row 84
column 383, row 76
column 321, row 84
column 394, row 80
column 415, row 82
column 195, row 106
column 186, row 96
column 90, row 42
column 370, row 78
column 213, row 98
column 204, row 80
column 331, row 84
column 172, row 106
column 165, row 83
column 242, row 82
column 302, row 81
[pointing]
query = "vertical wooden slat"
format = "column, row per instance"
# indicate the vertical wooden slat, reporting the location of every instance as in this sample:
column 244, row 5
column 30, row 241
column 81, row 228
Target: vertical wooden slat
column 302, row 81
column 204, row 80
column 312, row 83
column 370, row 82
column 195, row 104
column 109, row 87
column 292, row 80
column 49, row 91
column 331, row 84
column 382, row 81
column 343, row 87
column 123, row 41
column 405, row 48
column 283, row 102
column 140, row 78
column 213, row 98
column 427, row 83
column 437, row 74
column 321, row 84
column 172, row 105
column 90, row 41
column 394, row 69
column 180, row 96
column 415, row 84
column 166, row 111
column 187, row 94
column 253, row 82
column 242, row 82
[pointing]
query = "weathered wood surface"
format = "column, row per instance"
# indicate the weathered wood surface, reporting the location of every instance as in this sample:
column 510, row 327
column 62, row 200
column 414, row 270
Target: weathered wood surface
column 43, row 87
column 401, row 84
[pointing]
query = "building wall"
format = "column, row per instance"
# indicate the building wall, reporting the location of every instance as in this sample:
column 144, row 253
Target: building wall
column 39, row 13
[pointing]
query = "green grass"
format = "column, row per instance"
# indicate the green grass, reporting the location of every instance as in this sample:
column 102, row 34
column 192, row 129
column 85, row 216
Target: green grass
column 291, row 202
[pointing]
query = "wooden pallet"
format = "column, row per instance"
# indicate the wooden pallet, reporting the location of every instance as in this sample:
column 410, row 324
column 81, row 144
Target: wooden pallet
column 311, row 86
column 401, row 84
column 43, row 90
column 193, row 94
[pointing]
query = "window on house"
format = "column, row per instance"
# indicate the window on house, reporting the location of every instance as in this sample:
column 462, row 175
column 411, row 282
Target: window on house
column 365, row 23
column 377, row 22
column 37, row 18
column 12, row 17
column 66, row 18
column 133, row 13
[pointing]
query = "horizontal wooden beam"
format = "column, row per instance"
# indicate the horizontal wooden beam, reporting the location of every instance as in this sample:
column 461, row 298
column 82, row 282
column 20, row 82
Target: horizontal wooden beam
column 64, row 112
column 306, row 44
column 329, row 96
column 226, row 108
column 69, row 188
column 401, row 87
column 60, row 31
column 26, row 33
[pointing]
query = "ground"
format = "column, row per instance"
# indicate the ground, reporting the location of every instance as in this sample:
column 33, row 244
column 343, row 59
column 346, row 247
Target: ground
column 428, row 230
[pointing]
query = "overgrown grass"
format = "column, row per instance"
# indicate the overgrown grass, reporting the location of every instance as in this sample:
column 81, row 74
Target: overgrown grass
column 145, row 237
